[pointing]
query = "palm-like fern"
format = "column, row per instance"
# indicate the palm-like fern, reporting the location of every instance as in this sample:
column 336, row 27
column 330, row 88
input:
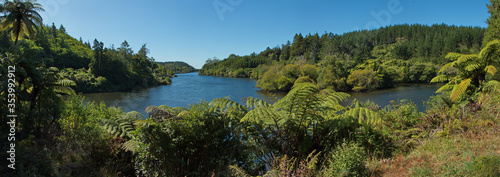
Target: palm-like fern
column 22, row 16
column 292, row 125
column 123, row 127
column 473, row 70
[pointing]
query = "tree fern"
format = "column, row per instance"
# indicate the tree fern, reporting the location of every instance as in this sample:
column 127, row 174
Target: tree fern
column 473, row 69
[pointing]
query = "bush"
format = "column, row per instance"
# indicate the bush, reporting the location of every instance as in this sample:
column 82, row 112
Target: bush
column 363, row 80
column 349, row 159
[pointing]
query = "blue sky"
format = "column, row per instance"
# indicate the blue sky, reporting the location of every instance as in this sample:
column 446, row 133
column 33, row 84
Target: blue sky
column 194, row 30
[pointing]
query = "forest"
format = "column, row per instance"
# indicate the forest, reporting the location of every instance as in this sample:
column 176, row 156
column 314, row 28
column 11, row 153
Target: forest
column 91, row 66
column 307, row 133
column 355, row 61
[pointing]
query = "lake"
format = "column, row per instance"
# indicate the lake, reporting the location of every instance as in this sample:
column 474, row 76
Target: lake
column 191, row 88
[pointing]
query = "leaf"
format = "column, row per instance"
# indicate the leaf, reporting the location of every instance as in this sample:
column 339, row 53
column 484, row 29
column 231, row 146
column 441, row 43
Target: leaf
column 264, row 115
column 63, row 89
column 459, row 89
column 364, row 115
column 255, row 103
column 445, row 87
column 491, row 69
column 446, row 66
column 472, row 67
column 130, row 145
column 465, row 58
column 453, row 56
column 440, row 78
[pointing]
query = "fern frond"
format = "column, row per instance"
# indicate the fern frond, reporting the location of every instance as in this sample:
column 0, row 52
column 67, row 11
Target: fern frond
column 490, row 48
column 66, row 82
column 472, row 66
column 143, row 123
column 134, row 115
column 237, row 171
column 444, row 87
column 301, row 95
column 226, row 105
column 331, row 94
column 63, row 89
column 440, row 78
column 491, row 69
column 453, row 56
column 465, row 58
column 130, row 145
column 264, row 115
column 446, row 66
column 459, row 89
column 252, row 102
column 364, row 115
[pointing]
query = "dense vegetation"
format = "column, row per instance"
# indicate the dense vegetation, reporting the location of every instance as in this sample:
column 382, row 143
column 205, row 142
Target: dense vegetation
column 173, row 67
column 93, row 67
column 359, row 61
column 307, row 133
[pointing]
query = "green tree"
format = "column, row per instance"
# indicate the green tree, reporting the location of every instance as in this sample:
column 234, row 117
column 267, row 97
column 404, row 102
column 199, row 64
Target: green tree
column 493, row 30
column 97, row 61
column 363, row 80
column 22, row 16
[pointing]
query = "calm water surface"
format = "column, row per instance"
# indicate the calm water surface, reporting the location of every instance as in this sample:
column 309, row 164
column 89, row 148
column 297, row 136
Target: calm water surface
column 191, row 88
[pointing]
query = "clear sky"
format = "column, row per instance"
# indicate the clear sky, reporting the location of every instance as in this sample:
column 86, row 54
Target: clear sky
column 194, row 30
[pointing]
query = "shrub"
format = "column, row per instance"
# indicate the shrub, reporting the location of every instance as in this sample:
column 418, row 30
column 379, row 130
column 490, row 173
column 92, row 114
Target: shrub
column 349, row 159
column 363, row 80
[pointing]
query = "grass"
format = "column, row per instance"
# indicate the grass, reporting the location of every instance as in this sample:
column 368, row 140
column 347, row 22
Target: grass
column 446, row 156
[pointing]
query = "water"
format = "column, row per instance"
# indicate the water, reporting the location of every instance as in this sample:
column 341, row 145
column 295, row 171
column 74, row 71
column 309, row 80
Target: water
column 186, row 89
column 191, row 88
column 417, row 93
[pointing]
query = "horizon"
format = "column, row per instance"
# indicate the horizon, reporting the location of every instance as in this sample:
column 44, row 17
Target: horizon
column 219, row 28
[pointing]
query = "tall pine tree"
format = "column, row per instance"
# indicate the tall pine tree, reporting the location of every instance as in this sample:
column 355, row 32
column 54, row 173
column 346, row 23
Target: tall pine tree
column 493, row 30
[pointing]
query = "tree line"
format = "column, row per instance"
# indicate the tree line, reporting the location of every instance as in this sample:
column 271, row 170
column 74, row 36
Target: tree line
column 385, row 57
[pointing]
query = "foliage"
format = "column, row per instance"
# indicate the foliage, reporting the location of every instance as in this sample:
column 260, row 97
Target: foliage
column 493, row 30
column 363, row 80
column 475, row 70
column 22, row 17
column 400, row 53
column 283, row 79
column 199, row 143
column 348, row 160
column 171, row 68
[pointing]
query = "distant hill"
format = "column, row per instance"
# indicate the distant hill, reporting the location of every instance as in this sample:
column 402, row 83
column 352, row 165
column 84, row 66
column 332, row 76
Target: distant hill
column 177, row 67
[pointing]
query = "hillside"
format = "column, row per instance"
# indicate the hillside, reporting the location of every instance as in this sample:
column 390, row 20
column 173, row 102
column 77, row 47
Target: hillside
column 93, row 68
column 388, row 56
column 175, row 67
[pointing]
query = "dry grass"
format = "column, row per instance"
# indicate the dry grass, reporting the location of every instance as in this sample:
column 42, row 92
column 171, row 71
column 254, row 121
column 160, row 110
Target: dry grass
column 451, row 156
